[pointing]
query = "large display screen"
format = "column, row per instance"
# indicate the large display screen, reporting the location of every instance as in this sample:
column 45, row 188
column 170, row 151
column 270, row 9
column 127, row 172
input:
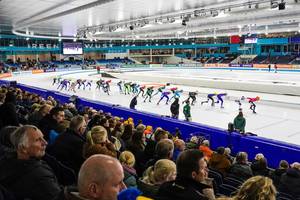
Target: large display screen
column 72, row 48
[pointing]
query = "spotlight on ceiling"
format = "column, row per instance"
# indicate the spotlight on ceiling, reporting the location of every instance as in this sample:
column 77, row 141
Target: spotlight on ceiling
column 281, row 6
column 200, row 13
column 131, row 27
column 274, row 5
column 171, row 19
column 185, row 19
column 214, row 13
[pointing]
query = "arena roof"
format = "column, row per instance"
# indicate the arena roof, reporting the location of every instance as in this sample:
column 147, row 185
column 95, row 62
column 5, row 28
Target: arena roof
column 147, row 19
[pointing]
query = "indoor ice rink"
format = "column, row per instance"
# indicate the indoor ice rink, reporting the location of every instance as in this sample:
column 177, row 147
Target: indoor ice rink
column 276, row 118
column 63, row 139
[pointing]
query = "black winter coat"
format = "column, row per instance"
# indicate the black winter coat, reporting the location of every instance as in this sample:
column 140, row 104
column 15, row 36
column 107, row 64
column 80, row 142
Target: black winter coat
column 47, row 124
column 182, row 189
column 290, row 182
column 67, row 148
column 276, row 176
column 8, row 116
column 32, row 179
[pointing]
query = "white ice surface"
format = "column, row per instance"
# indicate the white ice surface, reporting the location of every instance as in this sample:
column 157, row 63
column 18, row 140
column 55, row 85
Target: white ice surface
column 279, row 120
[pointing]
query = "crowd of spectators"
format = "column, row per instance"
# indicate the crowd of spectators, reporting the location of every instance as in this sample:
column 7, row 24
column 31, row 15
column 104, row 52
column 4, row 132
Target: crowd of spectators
column 11, row 66
column 56, row 151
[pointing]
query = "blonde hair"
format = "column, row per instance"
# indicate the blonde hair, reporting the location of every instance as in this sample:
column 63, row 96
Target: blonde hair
column 127, row 158
column 97, row 130
column 295, row 165
column 259, row 156
column 257, row 187
column 160, row 172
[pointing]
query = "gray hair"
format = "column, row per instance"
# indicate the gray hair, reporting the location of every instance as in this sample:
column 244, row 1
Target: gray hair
column 164, row 148
column 76, row 122
column 19, row 138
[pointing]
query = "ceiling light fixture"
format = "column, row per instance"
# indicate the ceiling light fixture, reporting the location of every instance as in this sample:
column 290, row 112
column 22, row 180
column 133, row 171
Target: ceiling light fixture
column 214, row 13
column 274, row 4
column 281, row 6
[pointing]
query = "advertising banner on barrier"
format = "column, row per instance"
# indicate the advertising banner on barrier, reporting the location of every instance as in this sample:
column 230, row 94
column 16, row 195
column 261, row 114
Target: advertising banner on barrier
column 260, row 66
column 216, row 65
column 240, row 65
column 50, row 70
column 222, row 65
column 5, row 75
column 210, row 65
column 296, row 66
column 37, row 71
column 284, row 66
column 67, row 69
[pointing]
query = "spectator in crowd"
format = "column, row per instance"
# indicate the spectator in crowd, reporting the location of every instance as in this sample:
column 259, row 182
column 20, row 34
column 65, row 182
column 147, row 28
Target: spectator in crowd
column 219, row 161
column 240, row 168
column 118, row 130
column 137, row 147
column 260, row 166
column 179, row 146
column 290, row 181
column 95, row 121
column 68, row 146
column 159, row 134
column 148, row 131
column 140, row 127
column 227, row 152
column 98, row 143
column 2, row 98
column 257, row 187
column 163, row 171
column 100, row 178
column 177, row 134
column 104, row 123
column 175, row 109
column 112, row 123
column 276, row 174
column 127, row 133
column 26, row 175
column 52, row 121
column 204, row 147
column 37, row 116
column 239, row 122
column 191, row 181
column 193, row 143
column 10, row 117
column 117, row 133
column 164, row 150
column 5, row 136
column 127, row 161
